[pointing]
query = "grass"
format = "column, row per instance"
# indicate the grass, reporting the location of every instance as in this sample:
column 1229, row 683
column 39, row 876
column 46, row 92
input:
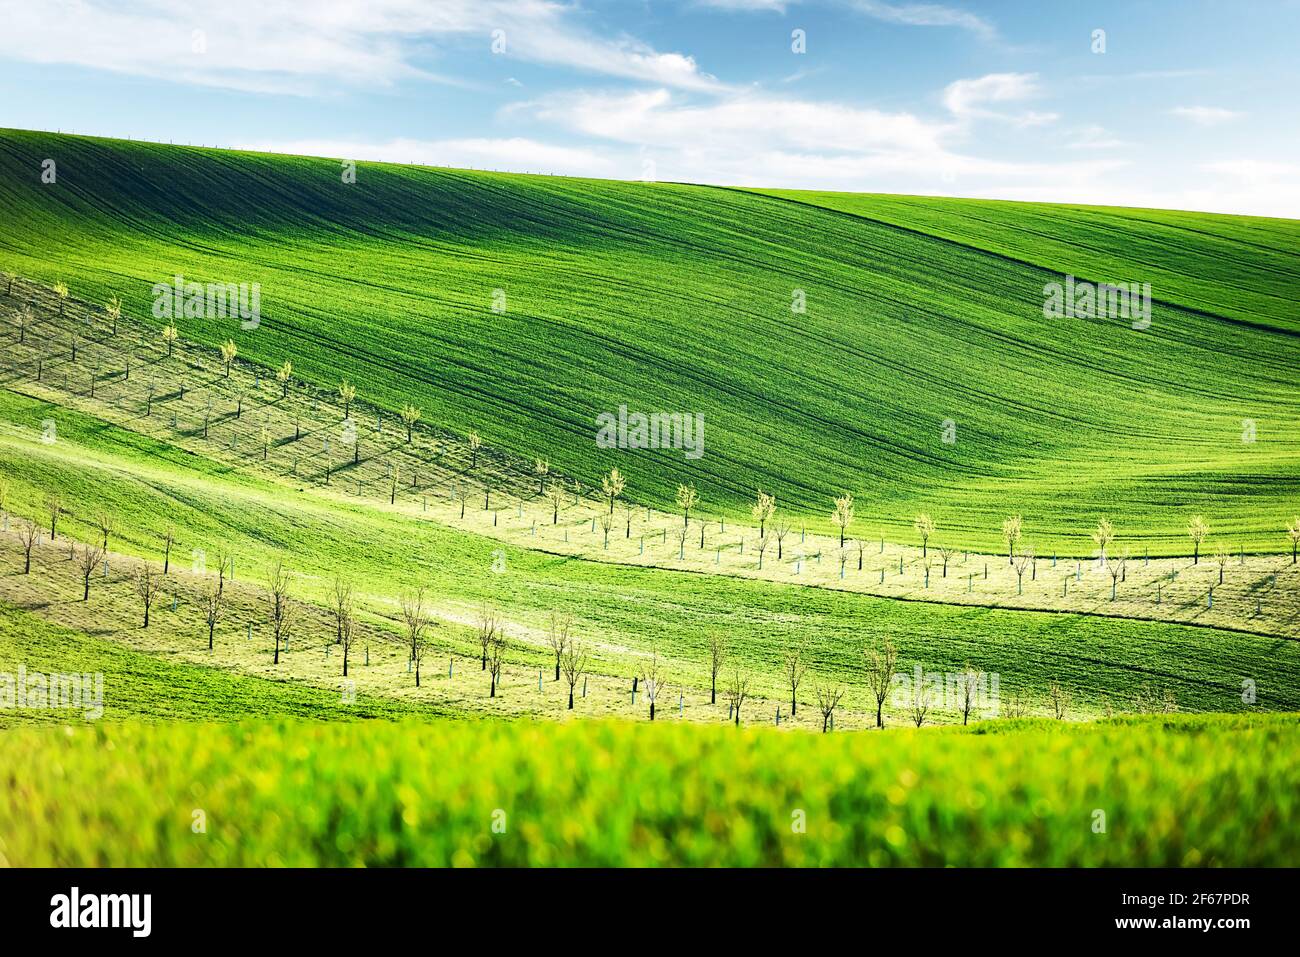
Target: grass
column 671, row 297
column 1205, row 791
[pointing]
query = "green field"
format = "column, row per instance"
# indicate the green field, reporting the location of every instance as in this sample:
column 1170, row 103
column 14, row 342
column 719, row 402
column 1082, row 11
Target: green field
column 678, row 298
column 1208, row 791
column 661, row 297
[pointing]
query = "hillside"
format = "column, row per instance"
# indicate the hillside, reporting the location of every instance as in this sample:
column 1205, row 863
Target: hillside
column 670, row 297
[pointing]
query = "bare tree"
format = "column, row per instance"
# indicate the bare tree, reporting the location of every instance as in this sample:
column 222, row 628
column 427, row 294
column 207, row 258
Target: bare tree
column 88, row 561
column 489, row 623
column 763, row 541
column 555, row 495
column 924, row 526
column 945, row 553
column 28, row 532
column 1221, row 557
column 782, row 529
column 460, row 491
column 1023, row 561
column 541, row 468
column 214, row 607
column 972, row 680
column 1117, row 573
column 343, row 608
column 559, row 638
column 416, row 619
column 680, row 535
column 574, row 664
column 737, row 692
column 882, row 662
column 606, row 523
column 919, row 705
column 1293, row 533
column 475, row 443
column 795, row 666
column 843, row 514
column 828, row 699
column 224, row 563
column 53, row 508
column 1197, row 531
column 654, row 679
column 717, row 655
column 147, row 586
column 283, row 616
column 169, row 539
column 104, row 522
column 496, row 656
column 394, row 478
column 1060, row 700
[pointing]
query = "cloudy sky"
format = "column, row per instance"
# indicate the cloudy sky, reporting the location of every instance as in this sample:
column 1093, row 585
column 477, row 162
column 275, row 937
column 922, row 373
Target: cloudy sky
column 1182, row 103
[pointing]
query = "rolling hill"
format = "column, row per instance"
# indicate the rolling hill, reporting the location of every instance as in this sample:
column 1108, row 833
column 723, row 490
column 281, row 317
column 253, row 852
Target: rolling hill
column 678, row 298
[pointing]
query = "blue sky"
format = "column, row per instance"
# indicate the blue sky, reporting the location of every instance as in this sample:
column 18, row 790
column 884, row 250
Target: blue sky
column 1192, row 104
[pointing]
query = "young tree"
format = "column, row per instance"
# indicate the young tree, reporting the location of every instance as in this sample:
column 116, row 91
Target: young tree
column 224, row 562
column 104, row 523
column 717, row 655
column 475, row 443
column 169, row 538
column 460, row 492
column 794, row 667
column 1197, row 530
column 394, row 478
column 1060, row 700
column 1022, row 563
column 342, row 607
column 541, row 468
column 284, row 376
column 1117, row 570
column 1012, row 530
column 1221, row 557
column 558, row 638
column 882, row 662
column 416, row 619
column 281, row 609
column 654, row 679
column 737, row 692
column 147, row 586
column 61, row 290
column 782, row 528
column 8, row 277
column 843, row 514
column 24, row 320
column 924, row 526
column 228, row 352
column 919, row 705
column 613, row 485
column 489, row 623
column 214, row 606
column 53, row 508
column 828, row 699
column 606, row 523
column 27, row 535
column 763, row 541
column 347, row 395
column 113, row 311
column 1293, row 533
column 1103, row 536
column 628, row 509
column 410, row 416
column 496, row 656
column 264, row 436
column 169, row 336
column 574, row 665
column 687, row 497
column 680, row 535
column 763, row 510
column 972, row 679
column 88, row 561
column 945, row 553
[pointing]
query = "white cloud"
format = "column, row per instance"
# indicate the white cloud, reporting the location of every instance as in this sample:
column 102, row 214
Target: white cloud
column 970, row 99
column 1094, row 138
column 284, row 46
column 1205, row 115
column 927, row 15
column 515, row 154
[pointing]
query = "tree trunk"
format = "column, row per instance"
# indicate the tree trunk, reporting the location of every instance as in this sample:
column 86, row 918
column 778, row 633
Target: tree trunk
column 652, row 710
column 570, row 697
column 277, row 648
column 557, row 671
column 345, row 661
column 211, row 626
column 493, row 692
column 880, row 721
column 713, row 690
column 86, row 595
